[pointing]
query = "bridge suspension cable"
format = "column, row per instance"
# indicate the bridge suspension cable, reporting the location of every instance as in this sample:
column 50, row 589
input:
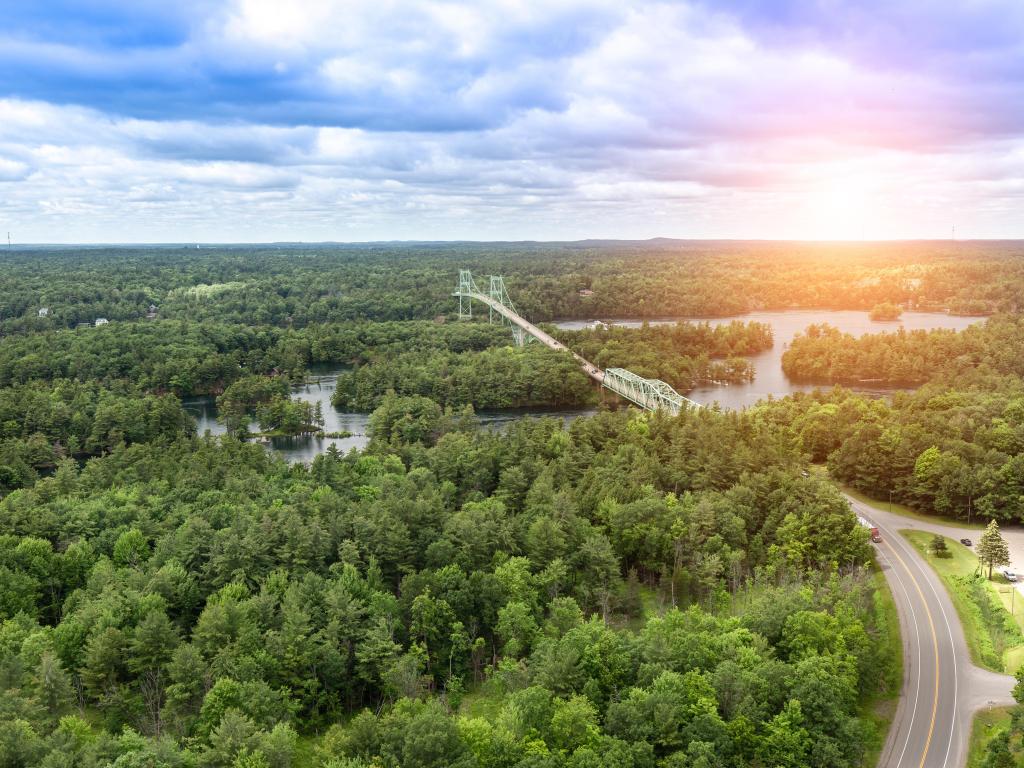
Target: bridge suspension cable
column 652, row 394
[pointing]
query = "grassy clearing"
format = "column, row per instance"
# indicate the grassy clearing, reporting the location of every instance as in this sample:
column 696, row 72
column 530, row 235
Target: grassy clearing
column 1013, row 659
column 484, row 700
column 987, row 723
column 880, row 709
column 994, row 637
column 207, row 291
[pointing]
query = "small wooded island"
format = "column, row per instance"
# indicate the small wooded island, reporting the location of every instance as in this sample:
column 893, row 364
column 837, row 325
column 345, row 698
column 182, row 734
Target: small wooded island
column 886, row 311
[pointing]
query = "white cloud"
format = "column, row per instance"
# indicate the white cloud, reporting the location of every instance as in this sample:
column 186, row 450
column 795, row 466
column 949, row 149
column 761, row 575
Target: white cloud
column 366, row 120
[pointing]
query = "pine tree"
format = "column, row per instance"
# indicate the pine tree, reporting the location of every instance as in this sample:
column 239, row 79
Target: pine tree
column 992, row 550
column 151, row 648
column 53, row 684
column 938, row 546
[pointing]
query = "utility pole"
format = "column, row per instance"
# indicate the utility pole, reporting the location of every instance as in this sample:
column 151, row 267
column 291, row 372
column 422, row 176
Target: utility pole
column 8, row 241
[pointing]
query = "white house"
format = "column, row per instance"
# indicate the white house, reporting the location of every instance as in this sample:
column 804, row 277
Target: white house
column 101, row 321
column 44, row 311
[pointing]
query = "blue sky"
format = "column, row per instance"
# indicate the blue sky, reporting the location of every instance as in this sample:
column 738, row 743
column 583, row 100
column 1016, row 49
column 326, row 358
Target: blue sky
column 260, row 120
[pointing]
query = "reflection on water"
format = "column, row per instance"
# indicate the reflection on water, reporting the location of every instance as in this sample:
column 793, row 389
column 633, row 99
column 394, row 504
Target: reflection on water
column 323, row 382
column 768, row 376
column 769, row 379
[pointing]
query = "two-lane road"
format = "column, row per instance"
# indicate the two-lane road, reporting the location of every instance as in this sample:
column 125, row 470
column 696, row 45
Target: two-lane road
column 942, row 689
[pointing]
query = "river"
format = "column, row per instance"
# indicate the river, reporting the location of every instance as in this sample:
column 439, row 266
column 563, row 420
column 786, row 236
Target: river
column 321, row 385
column 768, row 378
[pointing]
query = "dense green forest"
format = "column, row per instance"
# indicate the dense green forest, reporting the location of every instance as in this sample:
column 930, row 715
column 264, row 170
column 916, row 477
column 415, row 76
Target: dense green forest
column 824, row 354
column 297, row 286
column 683, row 354
column 625, row 590
column 210, row 604
column 192, row 358
column 502, row 377
column 954, row 446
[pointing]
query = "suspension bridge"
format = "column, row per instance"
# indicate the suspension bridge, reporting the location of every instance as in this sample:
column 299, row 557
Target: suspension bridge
column 652, row 394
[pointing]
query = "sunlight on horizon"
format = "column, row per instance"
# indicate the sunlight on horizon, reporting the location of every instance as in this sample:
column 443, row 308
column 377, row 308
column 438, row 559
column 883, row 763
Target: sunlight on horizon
column 245, row 121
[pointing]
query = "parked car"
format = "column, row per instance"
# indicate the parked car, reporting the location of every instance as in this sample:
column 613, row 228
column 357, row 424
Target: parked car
column 966, row 542
column 1008, row 574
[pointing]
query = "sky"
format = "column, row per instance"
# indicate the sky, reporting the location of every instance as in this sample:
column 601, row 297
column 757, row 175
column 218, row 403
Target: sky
column 353, row 120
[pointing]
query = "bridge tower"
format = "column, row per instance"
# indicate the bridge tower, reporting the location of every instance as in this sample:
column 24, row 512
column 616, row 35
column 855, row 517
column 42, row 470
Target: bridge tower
column 498, row 292
column 466, row 287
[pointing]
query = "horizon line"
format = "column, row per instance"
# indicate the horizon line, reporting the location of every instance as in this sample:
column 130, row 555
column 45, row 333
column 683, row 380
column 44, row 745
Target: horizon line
column 199, row 244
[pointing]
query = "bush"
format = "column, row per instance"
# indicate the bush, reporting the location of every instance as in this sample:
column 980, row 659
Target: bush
column 938, row 547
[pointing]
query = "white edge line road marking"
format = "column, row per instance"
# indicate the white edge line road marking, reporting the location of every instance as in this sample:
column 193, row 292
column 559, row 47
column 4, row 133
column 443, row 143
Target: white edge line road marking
column 917, row 631
column 908, row 550
column 952, row 649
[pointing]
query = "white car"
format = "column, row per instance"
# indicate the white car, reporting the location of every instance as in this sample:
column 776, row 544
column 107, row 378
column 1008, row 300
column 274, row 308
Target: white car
column 1008, row 574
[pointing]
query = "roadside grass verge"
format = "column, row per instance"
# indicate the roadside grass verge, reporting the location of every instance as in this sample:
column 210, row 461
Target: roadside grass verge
column 987, row 723
column 993, row 636
column 880, row 708
column 905, row 511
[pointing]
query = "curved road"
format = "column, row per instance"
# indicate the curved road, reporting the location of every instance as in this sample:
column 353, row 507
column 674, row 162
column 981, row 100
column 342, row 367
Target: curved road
column 942, row 689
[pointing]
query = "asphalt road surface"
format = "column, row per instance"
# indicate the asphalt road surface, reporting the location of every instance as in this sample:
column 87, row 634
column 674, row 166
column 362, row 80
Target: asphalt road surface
column 942, row 689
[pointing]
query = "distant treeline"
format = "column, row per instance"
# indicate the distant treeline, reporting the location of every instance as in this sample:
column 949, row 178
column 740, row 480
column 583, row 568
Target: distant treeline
column 297, row 286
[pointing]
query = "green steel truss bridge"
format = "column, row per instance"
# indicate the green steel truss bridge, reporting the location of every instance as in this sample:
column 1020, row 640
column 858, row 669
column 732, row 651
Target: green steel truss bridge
column 652, row 394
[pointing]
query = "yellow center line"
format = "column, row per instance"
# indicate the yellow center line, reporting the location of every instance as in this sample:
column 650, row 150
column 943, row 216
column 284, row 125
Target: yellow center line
column 935, row 645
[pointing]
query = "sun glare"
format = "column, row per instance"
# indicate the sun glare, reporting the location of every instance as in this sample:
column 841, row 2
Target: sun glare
column 842, row 207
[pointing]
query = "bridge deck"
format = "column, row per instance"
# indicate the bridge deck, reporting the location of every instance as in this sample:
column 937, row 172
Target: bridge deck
column 545, row 338
column 651, row 394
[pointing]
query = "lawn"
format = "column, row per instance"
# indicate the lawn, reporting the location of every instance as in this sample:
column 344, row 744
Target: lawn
column 987, row 723
column 994, row 637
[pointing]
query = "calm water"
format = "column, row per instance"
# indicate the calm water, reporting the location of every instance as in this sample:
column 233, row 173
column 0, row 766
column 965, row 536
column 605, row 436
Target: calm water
column 306, row 447
column 768, row 376
column 769, row 379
